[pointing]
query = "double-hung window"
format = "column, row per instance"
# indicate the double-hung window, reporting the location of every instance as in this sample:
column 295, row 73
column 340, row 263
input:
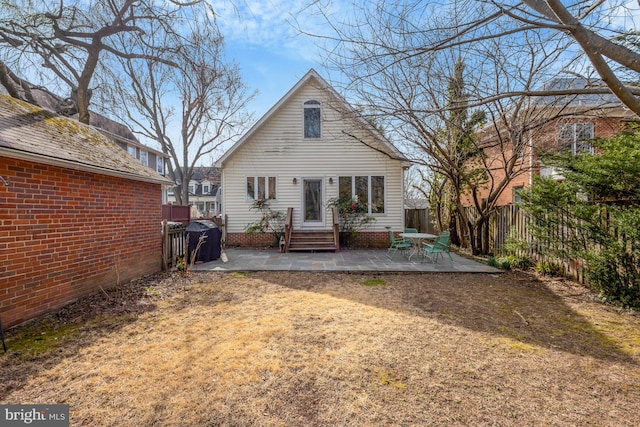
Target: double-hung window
column 577, row 137
column 261, row 187
column 312, row 120
column 368, row 190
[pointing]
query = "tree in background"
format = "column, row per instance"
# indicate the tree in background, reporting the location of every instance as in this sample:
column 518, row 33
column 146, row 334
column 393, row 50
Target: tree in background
column 68, row 40
column 594, row 214
column 426, row 99
column 191, row 108
column 179, row 90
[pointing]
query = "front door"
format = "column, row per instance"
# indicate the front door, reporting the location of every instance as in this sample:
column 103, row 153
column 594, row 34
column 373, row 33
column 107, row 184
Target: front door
column 312, row 203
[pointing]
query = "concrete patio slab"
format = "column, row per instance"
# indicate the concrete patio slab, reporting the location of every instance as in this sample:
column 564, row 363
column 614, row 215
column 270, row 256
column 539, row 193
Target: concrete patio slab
column 347, row 260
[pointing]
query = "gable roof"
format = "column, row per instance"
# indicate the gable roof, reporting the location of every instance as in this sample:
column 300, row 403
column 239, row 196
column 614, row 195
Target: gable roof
column 30, row 133
column 389, row 148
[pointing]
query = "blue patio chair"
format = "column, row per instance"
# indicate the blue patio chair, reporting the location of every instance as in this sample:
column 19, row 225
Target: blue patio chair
column 396, row 245
column 439, row 246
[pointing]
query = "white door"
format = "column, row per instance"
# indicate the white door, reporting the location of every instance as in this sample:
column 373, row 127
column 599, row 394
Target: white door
column 312, row 203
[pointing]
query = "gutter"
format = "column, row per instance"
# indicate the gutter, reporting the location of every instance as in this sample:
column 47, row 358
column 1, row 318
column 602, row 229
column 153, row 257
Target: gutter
column 55, row 161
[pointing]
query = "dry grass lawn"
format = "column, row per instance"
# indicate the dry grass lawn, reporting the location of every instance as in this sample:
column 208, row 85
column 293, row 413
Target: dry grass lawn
column 314, row 349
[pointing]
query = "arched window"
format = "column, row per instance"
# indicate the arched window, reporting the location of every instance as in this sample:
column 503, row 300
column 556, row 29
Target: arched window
column 312, row 119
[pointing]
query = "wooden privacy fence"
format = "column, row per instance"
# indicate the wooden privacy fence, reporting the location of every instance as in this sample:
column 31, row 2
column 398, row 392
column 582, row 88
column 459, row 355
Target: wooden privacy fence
column 177, row 213
column 511, row 221
column 420, row 219
column 173, row 243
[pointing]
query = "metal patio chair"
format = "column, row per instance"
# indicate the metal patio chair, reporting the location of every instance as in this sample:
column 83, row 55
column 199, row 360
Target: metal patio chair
column 439, row 246
column 396, row 245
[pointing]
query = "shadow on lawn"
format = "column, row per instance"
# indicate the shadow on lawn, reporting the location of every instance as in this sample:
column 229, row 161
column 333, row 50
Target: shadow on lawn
column 516, row 306
column 43, row 342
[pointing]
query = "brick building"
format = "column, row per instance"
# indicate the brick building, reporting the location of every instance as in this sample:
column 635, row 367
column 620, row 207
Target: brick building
column 76, row 212
column 569, row 122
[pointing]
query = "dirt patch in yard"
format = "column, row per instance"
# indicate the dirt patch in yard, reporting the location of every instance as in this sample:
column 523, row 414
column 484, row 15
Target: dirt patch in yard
column 284, row 348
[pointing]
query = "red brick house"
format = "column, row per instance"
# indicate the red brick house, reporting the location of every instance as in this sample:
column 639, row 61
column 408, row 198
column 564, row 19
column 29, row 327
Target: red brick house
column 568, row 123
column 76, row 212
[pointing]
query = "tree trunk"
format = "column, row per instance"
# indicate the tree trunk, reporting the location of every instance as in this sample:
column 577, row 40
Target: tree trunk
column 453, row 228
column 85, row 80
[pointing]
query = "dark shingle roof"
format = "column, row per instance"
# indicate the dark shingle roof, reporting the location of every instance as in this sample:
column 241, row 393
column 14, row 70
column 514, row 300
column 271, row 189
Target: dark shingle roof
column 27, row 131
column 582, row 100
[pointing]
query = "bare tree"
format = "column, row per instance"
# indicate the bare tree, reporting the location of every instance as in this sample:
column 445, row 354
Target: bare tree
column 192, row 108
column 68, row 39
column 604, row 32
column 427, row 100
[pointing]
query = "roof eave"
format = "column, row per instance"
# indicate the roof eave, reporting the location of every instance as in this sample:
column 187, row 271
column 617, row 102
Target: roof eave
column 54, row 161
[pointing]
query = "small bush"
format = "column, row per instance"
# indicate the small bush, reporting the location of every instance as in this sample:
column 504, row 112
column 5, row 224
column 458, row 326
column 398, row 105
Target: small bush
column 354, row 218
column 502, row 263
column 615, row 274
column 548, row 268
column 522, row 263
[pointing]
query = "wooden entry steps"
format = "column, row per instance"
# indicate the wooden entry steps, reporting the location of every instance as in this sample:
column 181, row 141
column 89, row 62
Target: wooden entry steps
column 312, row 241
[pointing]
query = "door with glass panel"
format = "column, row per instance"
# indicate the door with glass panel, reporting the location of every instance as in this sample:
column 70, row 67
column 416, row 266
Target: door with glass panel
column 312, row 203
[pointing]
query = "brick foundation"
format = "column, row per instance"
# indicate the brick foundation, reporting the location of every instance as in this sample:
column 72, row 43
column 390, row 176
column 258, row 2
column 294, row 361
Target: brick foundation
column 253, row 240
column 65, row 234
column 365, row 239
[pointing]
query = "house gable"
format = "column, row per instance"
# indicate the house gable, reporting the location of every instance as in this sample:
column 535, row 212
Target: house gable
column 275, row 157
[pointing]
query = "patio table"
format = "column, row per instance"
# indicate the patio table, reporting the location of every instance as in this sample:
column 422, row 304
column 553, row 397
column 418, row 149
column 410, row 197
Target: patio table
column 416, row 241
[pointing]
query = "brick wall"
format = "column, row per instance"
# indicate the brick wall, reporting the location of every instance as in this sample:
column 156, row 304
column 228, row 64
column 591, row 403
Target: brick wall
column 66, row 233
column 365, row 239
column 545, row 138
column 253, row 240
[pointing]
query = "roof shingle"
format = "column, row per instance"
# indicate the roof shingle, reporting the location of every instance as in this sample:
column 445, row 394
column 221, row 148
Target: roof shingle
column 29, row 131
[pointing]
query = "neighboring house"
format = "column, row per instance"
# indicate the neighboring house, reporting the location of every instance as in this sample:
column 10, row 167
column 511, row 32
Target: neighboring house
column 77, row 213
column 575, row 121
column 307, row 150
column 117, row 132
column 204, row 192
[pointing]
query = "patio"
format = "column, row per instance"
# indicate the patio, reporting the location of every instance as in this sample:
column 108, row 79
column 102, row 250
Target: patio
column 365, row 260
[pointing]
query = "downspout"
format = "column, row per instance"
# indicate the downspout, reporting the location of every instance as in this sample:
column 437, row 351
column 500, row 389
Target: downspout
column 530, row 160
column 402, row 189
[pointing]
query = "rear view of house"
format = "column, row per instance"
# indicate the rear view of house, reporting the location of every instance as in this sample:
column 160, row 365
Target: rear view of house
column 307, row 150
column 77, row 213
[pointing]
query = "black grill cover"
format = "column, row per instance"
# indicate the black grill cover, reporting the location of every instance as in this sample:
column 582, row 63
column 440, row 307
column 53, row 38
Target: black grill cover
column 210, row 249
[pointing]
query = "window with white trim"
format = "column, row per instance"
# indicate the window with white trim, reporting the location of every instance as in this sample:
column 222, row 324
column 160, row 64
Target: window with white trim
column 517, row 194
column 312, row 119
column 144, row 157
column 131, row 150
column 577, row 137
column 261, row 187
column 365, row 189
column 160, row 165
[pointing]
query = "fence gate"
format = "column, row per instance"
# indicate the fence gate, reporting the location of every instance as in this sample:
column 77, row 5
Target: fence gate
column 173, row 243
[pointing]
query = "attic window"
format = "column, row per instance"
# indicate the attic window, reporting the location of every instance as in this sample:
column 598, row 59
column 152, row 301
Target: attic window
column 312, row 119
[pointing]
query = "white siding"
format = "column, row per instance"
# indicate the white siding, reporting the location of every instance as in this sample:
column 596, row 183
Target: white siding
column 278, row 149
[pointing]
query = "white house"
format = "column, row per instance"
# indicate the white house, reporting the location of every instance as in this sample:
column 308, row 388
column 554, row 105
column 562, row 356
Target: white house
column 308, row 149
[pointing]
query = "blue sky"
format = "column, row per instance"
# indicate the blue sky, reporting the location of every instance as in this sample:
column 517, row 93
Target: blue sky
column 261, row 37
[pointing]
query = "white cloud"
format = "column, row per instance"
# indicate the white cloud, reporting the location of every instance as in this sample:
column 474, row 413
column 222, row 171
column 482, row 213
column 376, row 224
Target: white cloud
column 271, row 25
